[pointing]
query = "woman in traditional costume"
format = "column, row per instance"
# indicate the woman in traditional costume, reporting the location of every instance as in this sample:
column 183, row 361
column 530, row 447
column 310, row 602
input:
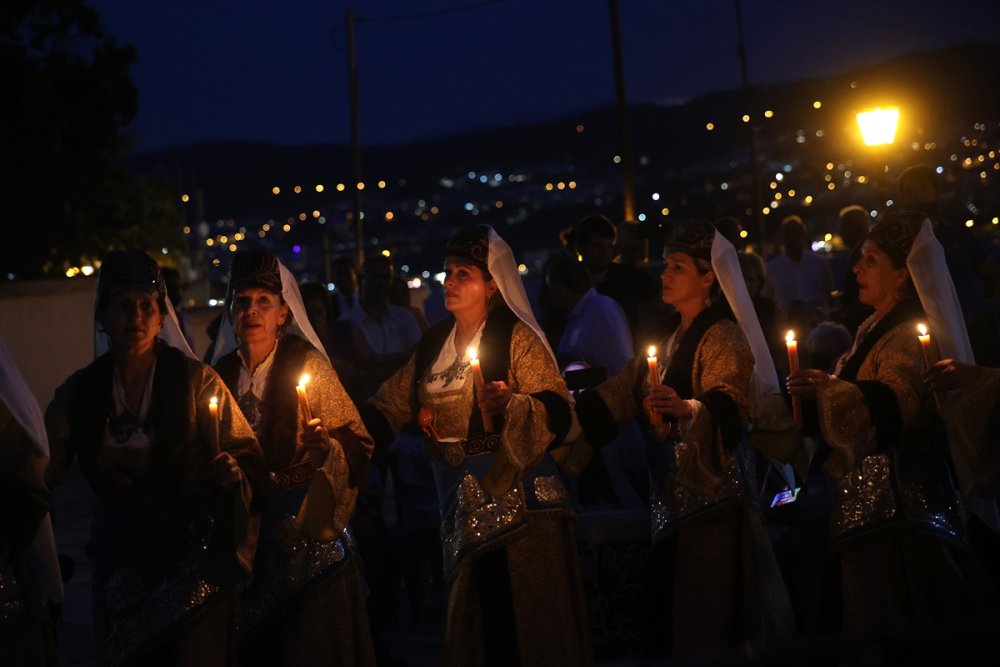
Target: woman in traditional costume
column 714, row 579
column 30, row 582
column 510, row 555
column 304, row 604
column 168, row 535
column 897, row 518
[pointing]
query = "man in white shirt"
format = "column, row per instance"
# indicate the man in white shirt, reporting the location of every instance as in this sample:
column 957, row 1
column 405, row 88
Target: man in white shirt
column 597, row 330
column 802, row 280
column 387, row 333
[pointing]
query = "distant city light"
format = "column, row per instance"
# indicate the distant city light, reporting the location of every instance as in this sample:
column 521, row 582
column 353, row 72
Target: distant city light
column 617, row 159
column 642, row 217
column 768, row 114
column 341, row 187
column 817, row 104
column 746, row 118
column 709, row 126
column 969, row 223
column 296, row 249
column 185, row 198
column 743, row 234
column 361, row 185
column 298, row 189
column 664, row 211
column 655, row 196
column 386, row 253
column 381, row 185
column 319, row 187
column 724, row 186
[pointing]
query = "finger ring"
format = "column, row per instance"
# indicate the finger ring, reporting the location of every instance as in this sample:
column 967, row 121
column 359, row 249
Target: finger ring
column 669, row 396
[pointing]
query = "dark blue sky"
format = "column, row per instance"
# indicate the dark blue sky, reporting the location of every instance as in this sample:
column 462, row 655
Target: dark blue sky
column 276, row 70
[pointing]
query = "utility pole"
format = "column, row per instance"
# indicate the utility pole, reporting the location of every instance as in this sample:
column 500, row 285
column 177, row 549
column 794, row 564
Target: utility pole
column 352, row 78
column 628, row 169
column 754, row 159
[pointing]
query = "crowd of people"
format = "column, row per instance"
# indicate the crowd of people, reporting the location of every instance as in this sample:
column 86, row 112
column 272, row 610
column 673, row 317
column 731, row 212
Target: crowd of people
column 241, row 498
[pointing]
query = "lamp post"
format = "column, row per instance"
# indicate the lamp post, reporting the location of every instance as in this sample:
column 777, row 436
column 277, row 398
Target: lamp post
column 878, row 129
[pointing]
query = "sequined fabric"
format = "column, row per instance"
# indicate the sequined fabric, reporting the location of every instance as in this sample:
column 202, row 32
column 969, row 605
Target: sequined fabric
column 479, row 520
column 550, row 491
column 676, row 503
column 139, row 610
column 908, row 483
column 295, row 561
column 864, row 497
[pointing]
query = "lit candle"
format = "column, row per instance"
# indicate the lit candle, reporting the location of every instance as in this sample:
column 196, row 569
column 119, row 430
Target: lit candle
column 655, row 418
column 213, row 435
column 925, row 344
column 300, row 389
column 480, row 382
column 927, row 348
column 793, row 367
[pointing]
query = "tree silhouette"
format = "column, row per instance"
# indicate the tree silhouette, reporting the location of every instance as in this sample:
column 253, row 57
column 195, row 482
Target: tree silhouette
column 66, row 100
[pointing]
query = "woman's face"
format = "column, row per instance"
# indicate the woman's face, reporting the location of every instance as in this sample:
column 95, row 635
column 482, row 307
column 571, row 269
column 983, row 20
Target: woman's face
column 132, row 319
column 258, row 315
column 878, row 281
column 753, row 277
column 465, row 289
column 682, row 284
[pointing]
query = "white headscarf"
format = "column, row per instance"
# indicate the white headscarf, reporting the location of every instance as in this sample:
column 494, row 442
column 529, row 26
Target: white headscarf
column 502, row 266
column 768, row 408
column 21, row 402
column 297, row 325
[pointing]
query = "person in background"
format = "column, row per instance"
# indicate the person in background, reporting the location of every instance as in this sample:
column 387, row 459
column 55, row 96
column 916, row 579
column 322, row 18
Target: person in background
column 854, row 222
column 345, row 281
column 801, row 279
column 594, row 242
column 975, row 275
column 384, row 334
column 400, row 296
column 171, row 536
column 597, row 331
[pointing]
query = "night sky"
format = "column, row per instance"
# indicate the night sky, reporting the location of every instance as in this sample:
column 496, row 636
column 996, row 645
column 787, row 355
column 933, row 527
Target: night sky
column 276, row 71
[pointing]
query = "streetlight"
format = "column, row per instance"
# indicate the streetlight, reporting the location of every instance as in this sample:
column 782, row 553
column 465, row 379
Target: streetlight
column 878, row 126
column 878, row 129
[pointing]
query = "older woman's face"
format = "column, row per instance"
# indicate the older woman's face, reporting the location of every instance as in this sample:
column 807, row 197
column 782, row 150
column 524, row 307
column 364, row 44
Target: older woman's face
column 258, row 315
column 878, row 281
column 132, row 319
column 681, row 281
column 465, row 288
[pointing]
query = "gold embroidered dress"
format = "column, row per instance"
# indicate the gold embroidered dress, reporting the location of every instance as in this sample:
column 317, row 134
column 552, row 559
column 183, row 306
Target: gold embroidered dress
column 897, row 518
column 305, row 601
column 507, row 523
column 167, row 545
column 715, row 582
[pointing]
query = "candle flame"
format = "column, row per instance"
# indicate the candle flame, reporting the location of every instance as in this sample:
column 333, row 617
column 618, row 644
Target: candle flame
column 304, row 380
column 214, row 401
column 472, row 353
column 790, row 336
column 922, row 329
column 651, row 351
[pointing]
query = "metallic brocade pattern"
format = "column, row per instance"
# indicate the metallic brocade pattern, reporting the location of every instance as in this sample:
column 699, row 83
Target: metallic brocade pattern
column 864, row 496
column 482, row 518
column 296, row 560
column 550, row 491
column 675, row 502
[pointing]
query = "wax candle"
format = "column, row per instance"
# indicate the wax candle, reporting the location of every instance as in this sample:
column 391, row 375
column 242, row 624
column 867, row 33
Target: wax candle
column 793, row 367
column 213, row 435
column 300, row 389
column 655, row 418
column 925, row 344
column 480, row 382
